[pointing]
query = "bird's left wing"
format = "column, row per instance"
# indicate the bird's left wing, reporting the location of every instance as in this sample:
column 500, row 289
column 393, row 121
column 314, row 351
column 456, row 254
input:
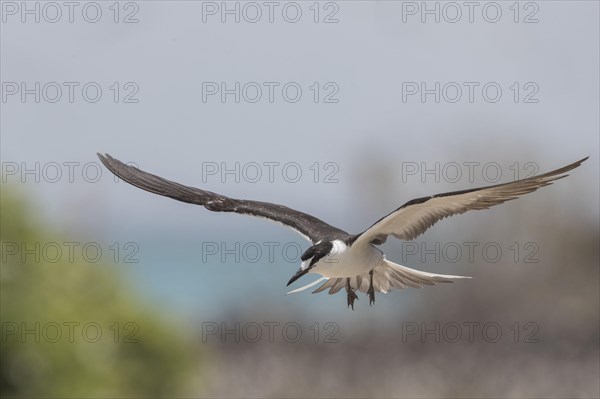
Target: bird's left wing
column 308, row 226
column 416, row 216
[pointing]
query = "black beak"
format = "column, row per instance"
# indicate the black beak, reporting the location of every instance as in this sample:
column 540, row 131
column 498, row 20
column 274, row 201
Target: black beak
column 298, row 274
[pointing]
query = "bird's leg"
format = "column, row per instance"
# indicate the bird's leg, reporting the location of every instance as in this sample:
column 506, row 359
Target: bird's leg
column 351, row 294
column 371, row 290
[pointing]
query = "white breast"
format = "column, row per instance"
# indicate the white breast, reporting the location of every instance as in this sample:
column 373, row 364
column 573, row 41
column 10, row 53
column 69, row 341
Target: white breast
column 344, row 261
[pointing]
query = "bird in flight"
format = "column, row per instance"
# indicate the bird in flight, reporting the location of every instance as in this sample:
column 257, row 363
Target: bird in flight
column 350, row 261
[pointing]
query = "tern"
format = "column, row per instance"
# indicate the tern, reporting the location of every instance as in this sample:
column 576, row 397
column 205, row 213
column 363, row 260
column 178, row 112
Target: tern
column 350, row 261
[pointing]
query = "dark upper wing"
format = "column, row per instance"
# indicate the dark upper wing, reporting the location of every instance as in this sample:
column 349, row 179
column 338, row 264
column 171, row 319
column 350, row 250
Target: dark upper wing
column 308, row 226
column 416, row 216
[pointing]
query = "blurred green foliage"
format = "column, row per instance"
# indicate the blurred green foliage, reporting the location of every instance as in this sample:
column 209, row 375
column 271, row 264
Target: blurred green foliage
column 58, row 357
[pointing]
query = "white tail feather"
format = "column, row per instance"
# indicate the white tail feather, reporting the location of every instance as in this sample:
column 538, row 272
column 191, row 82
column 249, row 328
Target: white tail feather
column 392, row 275
column 308, row 286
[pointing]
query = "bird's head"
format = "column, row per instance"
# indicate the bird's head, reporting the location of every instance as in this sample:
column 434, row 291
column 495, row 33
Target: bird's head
column 312, row 256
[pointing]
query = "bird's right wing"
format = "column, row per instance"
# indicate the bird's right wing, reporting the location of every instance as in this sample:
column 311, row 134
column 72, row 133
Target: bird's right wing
column 308, row 226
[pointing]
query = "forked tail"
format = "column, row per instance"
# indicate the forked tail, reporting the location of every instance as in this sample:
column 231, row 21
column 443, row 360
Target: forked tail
column 392, row 275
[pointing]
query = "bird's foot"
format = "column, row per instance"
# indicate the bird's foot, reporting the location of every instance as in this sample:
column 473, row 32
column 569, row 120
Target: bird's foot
column 351, row 298
column 351, row 294
column 371, row 290
column 371, row 295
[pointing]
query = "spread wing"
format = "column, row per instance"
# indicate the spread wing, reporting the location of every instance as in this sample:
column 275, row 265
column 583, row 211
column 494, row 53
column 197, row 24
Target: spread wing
column 413, row 218
column 308, row 226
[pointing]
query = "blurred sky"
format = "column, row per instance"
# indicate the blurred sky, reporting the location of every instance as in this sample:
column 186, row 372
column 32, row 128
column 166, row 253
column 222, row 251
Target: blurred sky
column 369, row 135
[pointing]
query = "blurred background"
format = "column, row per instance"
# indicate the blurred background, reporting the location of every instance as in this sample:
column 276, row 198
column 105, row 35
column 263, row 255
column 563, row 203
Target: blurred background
column 345, row 110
